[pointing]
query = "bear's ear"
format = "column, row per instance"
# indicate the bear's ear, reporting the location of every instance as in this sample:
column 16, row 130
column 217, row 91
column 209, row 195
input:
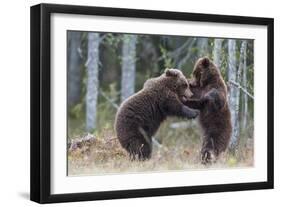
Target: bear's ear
column 205, row 62
column 171, row 72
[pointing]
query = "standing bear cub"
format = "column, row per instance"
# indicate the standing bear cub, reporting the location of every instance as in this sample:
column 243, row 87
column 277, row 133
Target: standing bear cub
column 139, row 117
column 210, row 97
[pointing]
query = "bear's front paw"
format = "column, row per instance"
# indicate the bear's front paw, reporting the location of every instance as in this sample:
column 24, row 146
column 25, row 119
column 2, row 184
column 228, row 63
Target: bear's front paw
column 190, row 113
column 207, row 98
column 195, row 113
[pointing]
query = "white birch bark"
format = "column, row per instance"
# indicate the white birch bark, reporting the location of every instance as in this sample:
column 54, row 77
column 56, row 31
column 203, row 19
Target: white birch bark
column 236, row 124
column 217, row 52
column 73, row 72
column 92, row 81
column 128, row 66
column 245, row 97
column 237, row 109
column 232, row 72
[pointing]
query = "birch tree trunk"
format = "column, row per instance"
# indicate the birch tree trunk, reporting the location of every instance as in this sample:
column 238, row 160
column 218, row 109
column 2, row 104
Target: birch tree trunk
column 217, row 52
column 240, row 68
column 73, row 69
column 128, row 66
column 232, row 72
column 93, row 81
column 202, row 45
column 245, row 97
column 236, row 124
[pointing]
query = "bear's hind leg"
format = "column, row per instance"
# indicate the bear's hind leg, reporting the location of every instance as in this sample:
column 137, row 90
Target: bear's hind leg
column 208, row 154
column 139, row 149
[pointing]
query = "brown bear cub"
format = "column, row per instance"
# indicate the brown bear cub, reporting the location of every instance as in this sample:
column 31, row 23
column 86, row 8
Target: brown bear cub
column 139, row 117
column 210, row 97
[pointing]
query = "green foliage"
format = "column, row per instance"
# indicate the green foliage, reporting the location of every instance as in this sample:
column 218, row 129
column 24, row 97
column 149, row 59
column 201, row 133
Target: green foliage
column 224, row 64
column 76, row 111
column 106, row 111
column 168, row 62
column 113, row 40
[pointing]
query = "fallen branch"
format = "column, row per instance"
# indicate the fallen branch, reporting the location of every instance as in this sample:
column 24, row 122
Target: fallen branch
column 240, row 87
column 182, row 125
column 109, row 100
column 156, row 142
column 102, row 37
column 180, row 50
column 188, row 54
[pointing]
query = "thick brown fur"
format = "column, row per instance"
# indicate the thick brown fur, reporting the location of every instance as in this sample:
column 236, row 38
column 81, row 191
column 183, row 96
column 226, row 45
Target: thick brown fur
column 210, row 97
column 139, row 117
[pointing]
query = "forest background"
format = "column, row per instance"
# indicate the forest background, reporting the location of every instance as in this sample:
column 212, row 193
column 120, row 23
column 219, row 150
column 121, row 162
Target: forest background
column 104, row 69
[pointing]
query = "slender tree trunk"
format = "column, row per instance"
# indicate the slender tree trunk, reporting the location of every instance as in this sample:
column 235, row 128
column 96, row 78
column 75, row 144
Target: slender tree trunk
column 240, row 68
column 128, row 66
column 245, row 105
column 73, row 72
column 236, row 124
column 93, row 81
column 202, row 45
column 217, row 52
column 232, row 72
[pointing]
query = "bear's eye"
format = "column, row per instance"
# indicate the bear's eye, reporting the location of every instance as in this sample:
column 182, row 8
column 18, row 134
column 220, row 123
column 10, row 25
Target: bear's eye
column 184, row 85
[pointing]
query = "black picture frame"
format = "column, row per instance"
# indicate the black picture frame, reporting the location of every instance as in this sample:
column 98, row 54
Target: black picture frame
column 41, row 99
